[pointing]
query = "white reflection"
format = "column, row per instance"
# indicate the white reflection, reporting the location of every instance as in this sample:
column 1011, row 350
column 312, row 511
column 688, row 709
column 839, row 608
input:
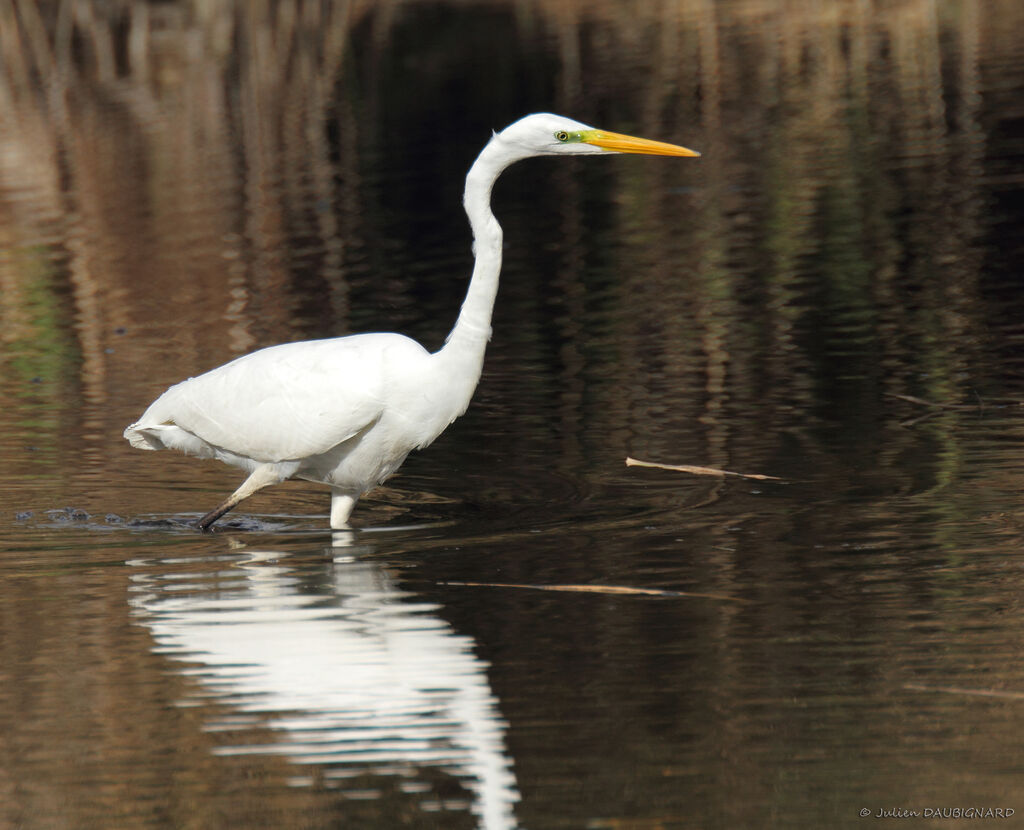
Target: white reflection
column 356, row 675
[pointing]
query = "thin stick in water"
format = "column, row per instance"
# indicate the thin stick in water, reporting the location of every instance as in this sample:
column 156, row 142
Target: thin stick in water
column 698, row 471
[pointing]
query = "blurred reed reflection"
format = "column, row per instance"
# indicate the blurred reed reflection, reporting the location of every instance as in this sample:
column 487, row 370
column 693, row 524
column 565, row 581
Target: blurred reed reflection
column 183, row 182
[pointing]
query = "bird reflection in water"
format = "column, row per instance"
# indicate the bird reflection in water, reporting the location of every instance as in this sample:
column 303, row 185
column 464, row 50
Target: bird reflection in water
column 354, row 673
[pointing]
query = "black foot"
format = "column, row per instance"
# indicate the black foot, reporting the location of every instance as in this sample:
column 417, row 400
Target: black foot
column 207, row 521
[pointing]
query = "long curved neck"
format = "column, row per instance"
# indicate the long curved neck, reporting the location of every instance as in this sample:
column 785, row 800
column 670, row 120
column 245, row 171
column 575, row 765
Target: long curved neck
column 474, row 324
column 463, row 352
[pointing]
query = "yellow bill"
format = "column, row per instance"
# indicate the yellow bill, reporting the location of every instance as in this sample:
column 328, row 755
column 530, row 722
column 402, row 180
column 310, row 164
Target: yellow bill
column 618, row 143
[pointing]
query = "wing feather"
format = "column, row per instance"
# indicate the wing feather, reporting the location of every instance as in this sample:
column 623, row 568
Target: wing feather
column 286, row 402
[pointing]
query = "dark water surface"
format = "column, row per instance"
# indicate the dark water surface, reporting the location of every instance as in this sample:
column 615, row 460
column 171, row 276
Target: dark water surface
column 522, row 631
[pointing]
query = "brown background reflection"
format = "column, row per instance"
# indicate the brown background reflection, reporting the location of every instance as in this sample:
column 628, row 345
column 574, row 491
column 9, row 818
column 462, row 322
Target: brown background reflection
column 832, row 294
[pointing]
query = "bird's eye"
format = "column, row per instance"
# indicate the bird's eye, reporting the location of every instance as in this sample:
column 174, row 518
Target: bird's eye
column 562, row 135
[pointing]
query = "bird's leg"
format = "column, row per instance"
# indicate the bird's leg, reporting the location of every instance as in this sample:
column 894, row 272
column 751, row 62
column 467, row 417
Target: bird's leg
column 262, row 476
column 341, row 508
column 207, row 520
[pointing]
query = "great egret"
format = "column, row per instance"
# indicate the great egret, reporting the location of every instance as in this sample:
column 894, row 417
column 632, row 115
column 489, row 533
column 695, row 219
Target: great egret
column 346, row 412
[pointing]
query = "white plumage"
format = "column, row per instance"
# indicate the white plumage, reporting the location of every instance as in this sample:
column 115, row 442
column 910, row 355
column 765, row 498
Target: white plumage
column 346, row 412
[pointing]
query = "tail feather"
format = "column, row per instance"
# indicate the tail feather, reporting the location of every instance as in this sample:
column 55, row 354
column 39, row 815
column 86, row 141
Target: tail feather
column 140, row 437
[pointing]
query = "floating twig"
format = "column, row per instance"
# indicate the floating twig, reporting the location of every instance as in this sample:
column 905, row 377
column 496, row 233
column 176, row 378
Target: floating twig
column 957, row 690
column 596, row 589
column 922, row 402
column 698, row 471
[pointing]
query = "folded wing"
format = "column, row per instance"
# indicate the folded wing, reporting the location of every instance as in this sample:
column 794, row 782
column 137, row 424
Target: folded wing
column 282, row 403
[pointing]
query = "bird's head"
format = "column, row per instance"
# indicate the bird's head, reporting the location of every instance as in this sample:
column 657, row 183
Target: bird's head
column 544, row 134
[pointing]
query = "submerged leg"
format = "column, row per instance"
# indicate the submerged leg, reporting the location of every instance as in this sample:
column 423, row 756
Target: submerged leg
column 341, row 508
column 258, row 479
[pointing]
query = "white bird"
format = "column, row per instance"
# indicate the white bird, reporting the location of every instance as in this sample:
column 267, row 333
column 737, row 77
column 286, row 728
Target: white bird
column 346, row 412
